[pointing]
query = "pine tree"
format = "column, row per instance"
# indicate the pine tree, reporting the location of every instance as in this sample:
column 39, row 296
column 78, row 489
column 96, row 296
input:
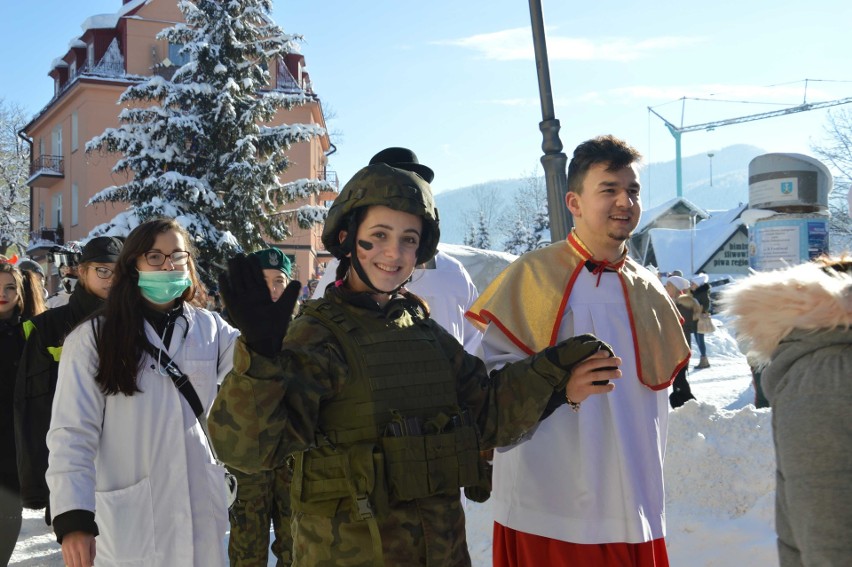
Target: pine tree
column 470, row 237
column 519, row 238
column 521, row 222
column 540, row 235
column 481, row 235
column 200, row 147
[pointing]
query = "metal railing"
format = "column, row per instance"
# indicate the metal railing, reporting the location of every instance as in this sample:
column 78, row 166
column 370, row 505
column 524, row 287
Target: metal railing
column 54, row 235
column 329, row 175
column 48, row 165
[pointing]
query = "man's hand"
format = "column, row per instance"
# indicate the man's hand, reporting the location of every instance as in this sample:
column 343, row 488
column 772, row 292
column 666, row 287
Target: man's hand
column 78, row 549
column 262, row 322
column 599, row 367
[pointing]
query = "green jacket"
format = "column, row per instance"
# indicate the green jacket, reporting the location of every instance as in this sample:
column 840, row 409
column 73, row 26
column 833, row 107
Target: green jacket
column 269, row 408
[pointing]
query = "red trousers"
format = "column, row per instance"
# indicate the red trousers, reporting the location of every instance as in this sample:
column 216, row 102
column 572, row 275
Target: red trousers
column 518, row 549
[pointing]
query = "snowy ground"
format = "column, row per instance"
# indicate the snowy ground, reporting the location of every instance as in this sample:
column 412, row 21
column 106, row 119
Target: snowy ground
column 720, row 480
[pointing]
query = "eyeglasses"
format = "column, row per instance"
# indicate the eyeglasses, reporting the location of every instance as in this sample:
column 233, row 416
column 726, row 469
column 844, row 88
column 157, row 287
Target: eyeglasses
column 104, row 273
column 154, row 259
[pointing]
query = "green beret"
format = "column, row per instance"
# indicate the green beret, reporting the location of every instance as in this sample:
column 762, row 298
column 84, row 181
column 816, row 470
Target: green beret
column 273, row 259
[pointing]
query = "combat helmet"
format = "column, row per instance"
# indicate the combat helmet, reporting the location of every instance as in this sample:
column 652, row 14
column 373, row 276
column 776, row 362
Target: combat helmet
column 392, row 187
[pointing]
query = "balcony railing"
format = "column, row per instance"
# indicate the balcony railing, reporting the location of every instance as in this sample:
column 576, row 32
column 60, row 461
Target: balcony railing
column 54, row 235
column 329, row 175
column 53, row 166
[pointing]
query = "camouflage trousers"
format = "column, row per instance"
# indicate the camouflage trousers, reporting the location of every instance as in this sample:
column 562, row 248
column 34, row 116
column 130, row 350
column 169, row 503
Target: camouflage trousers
column 261, row 498
column 427, row 531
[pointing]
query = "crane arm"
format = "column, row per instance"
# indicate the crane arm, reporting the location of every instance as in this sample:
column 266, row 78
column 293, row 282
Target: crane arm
column 752, row 117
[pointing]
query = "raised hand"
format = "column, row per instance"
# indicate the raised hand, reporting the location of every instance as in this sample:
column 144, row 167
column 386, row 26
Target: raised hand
column 262, row 322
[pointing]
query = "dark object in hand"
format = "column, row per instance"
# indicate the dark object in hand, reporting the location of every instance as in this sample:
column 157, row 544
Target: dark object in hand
column 603, row 382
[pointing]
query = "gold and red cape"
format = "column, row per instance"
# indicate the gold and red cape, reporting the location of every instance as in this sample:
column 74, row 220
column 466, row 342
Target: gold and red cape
column 527, row 302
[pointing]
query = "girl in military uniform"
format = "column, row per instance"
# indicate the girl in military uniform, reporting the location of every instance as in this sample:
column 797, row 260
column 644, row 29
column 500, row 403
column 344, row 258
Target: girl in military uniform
column 381, row 409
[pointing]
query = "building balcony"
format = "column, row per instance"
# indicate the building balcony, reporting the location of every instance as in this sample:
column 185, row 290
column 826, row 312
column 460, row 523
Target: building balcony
column 46, row 238
column 47, row 170
column 331, row 176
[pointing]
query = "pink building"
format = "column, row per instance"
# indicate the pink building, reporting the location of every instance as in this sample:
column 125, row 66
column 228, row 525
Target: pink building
column 88, row 80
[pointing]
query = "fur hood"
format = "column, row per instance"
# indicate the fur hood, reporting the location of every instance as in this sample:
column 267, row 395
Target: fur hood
column 767, row 306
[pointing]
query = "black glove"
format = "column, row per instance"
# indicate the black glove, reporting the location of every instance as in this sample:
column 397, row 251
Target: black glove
column 262, row 322
column 571, row 352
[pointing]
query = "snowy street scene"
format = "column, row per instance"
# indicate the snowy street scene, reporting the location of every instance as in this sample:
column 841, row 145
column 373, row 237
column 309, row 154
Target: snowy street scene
column 720, row 478
column 489, row 283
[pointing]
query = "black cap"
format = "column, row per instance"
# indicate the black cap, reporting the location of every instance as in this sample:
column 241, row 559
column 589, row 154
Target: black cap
column 403, row 158
column 102, row 249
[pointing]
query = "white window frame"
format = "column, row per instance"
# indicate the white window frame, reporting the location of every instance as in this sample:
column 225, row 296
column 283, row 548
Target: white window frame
column 75, row 203
column 57, row 209
column 56, row 140
column 74, row 128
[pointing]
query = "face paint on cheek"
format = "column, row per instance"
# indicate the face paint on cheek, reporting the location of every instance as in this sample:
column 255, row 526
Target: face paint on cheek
column 365, row 245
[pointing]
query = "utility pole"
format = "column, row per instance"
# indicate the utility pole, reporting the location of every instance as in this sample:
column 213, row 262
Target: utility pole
column 554, row 160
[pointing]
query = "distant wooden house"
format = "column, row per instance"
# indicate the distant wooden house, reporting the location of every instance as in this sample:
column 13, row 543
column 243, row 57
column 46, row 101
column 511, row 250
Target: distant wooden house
column 679, row 235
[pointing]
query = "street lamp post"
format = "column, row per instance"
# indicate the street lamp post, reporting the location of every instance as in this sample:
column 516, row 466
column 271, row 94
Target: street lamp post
column 710, row 155
column 554, row 160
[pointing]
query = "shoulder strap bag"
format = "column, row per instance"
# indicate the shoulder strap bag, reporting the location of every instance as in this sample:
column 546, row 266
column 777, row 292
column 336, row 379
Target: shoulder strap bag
column 184, row 386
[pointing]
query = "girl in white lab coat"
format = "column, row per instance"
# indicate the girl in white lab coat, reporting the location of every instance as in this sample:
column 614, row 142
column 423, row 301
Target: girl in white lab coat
column 129, row 462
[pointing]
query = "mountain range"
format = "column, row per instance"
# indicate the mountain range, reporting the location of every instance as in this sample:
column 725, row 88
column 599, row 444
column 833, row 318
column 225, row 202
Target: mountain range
column 727, row 188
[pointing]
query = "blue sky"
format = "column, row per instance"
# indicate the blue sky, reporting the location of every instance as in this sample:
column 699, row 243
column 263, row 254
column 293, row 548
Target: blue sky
column 456, row 80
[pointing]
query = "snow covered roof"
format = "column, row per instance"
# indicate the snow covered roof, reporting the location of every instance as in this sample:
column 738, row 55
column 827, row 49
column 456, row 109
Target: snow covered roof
column 58, row 62
column 723, row 217
column 99, row 22
column 680, row 249
column 130, row 6
column 108, row 21
column 651, row 215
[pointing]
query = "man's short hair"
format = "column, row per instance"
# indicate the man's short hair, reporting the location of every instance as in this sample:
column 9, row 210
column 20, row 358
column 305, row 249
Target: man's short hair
column 603, row 149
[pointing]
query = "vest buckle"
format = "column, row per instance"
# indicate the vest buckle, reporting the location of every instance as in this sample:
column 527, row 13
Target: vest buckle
column 365, row 510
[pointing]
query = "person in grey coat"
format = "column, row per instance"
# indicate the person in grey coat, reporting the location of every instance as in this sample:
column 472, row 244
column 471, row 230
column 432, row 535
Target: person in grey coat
column 798, row 324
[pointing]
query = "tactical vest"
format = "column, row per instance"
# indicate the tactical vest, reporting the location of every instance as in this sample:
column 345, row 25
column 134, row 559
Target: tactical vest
column 395, row 432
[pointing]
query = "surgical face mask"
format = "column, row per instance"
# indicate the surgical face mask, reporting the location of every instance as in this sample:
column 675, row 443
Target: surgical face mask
column 163, row 287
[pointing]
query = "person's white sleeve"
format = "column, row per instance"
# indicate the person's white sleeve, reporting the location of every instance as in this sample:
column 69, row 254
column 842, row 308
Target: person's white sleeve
column 472, row 335
column 497, row 350
column 327, row 278
column 227, row 339
column 75, row 426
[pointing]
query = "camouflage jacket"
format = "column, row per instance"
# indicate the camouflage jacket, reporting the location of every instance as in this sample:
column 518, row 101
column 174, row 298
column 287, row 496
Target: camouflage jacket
column 269, row 408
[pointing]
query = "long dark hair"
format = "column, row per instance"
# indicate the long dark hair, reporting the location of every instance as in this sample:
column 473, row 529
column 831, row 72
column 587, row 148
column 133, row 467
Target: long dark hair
column 30, row 299
column 121, row 333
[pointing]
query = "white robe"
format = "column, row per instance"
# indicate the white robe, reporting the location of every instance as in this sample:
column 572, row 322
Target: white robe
column 595, row 476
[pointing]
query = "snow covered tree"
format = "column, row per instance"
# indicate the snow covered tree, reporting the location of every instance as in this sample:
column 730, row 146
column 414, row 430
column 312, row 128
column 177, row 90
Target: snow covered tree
column 202, row 147
column 478, row 236
column 519, row 238
column 470, row 237
column 837, row 152
column 14, row 170
column 541, row 227
column 527, row 223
